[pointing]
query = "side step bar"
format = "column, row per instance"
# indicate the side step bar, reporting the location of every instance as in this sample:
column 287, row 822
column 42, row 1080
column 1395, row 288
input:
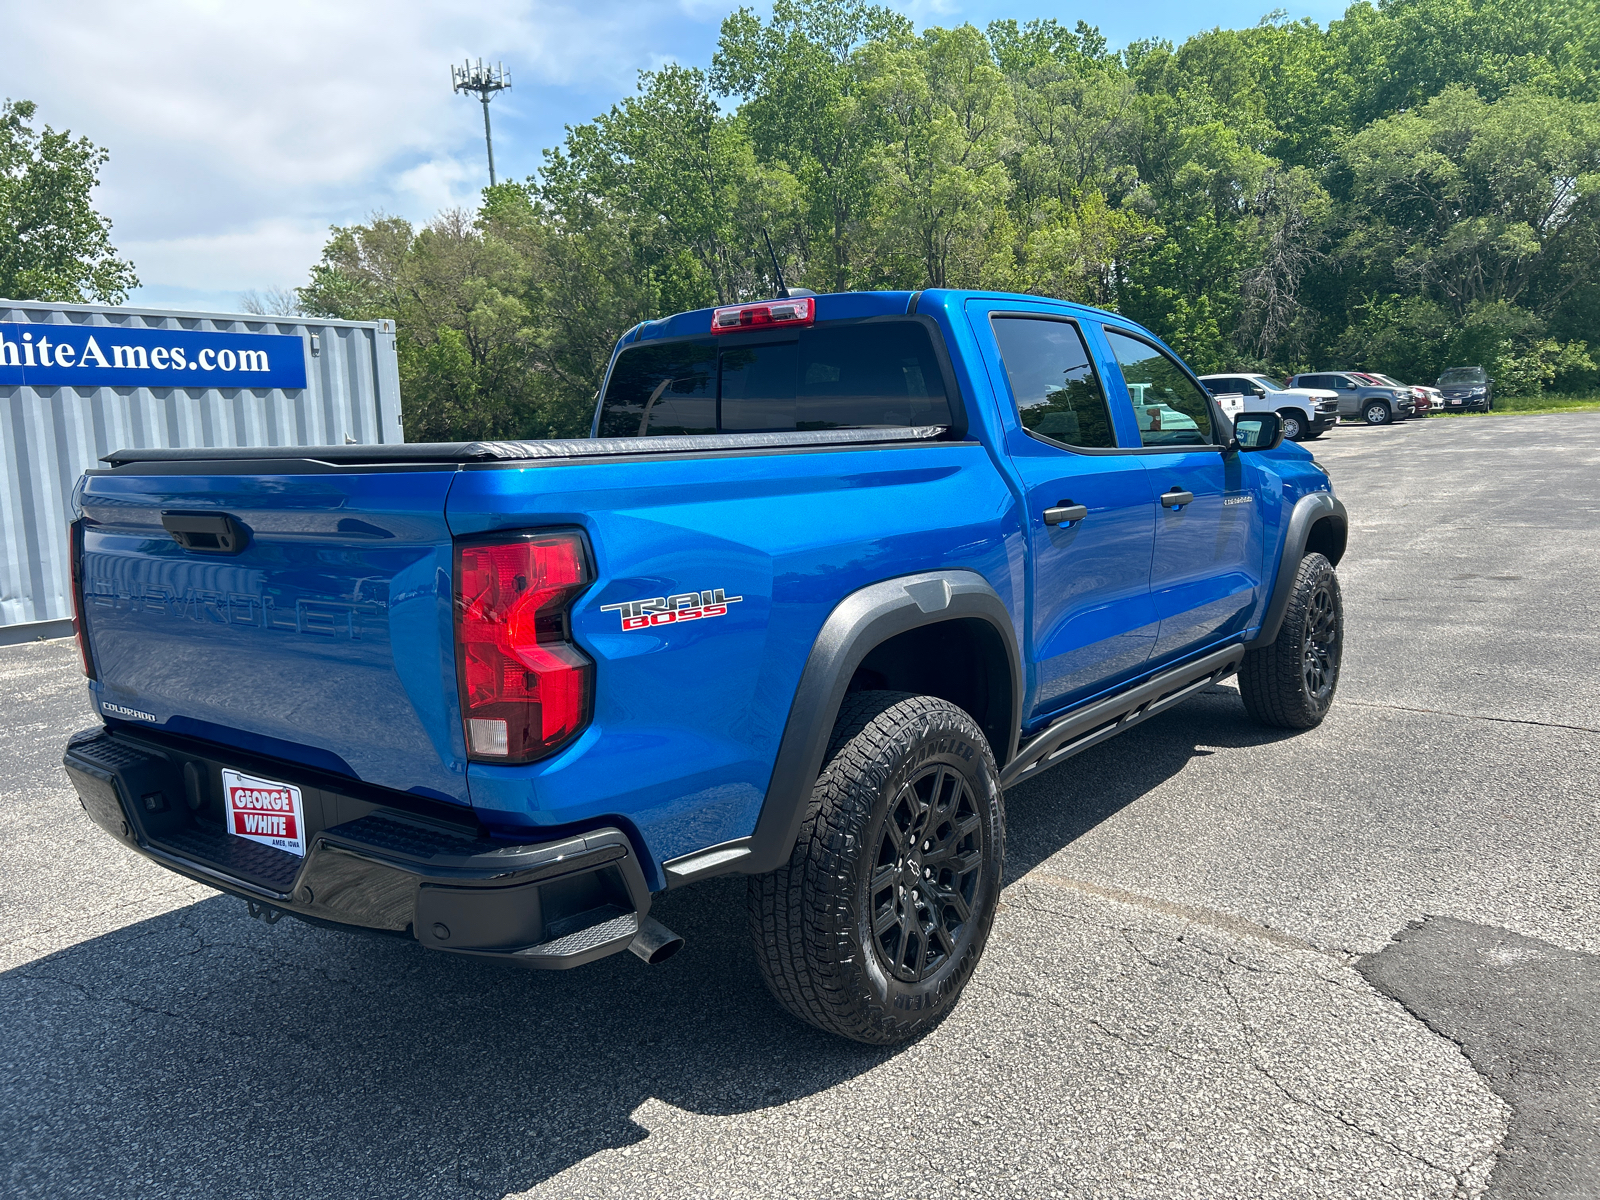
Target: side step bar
column 1106, row 718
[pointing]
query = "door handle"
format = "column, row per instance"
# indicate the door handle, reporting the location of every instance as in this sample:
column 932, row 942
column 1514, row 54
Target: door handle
column 1174, row 498
column 1065, row 513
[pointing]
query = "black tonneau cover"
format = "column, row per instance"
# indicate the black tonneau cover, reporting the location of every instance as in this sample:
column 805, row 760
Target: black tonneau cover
column 471, row 452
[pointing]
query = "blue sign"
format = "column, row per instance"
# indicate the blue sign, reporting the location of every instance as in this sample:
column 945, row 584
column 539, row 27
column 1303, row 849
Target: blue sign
column 110, row 356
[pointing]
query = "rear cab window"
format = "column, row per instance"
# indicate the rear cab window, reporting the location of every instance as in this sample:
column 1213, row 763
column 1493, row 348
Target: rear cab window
column 845, row 375
column 1173, row 409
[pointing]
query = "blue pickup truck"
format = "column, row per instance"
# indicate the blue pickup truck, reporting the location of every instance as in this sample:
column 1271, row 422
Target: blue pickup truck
column 831, row 573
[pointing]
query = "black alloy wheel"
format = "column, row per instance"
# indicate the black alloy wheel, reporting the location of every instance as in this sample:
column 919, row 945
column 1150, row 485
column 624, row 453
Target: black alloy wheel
column 1319, row 656
column 926, row 873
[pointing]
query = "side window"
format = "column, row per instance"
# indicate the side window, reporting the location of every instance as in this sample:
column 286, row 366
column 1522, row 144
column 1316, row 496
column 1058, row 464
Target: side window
column 1171, row 407
column 662, row 390
column 1057, row 392
column 1344, row 383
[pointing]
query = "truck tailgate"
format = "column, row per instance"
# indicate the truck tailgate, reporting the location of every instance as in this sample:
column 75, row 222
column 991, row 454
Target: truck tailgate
column 326, row 639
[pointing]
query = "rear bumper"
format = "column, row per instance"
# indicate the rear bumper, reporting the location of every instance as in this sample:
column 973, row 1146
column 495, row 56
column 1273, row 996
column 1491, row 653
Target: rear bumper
column 553, row 904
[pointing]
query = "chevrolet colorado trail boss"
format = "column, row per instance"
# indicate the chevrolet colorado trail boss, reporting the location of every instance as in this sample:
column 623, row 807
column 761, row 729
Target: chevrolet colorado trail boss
column 831, row 573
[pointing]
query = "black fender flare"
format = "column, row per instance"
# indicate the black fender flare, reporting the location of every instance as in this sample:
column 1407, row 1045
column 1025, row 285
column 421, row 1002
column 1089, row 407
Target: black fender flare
column 860, row 622
column 1308, row 510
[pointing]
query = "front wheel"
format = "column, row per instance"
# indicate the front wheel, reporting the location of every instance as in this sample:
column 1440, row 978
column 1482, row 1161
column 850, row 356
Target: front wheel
column 1291, row 682
column 874, row 926
column 1377, row 414
column 1294, row 425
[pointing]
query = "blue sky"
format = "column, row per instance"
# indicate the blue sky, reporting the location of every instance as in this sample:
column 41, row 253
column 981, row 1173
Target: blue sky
column 238, row 133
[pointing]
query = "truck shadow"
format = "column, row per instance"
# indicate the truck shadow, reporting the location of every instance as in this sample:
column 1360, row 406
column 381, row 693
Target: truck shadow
column 203, row 1053
column 1055, row 809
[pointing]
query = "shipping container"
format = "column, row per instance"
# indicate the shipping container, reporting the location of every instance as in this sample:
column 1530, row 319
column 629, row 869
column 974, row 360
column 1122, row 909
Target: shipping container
column 78, row 381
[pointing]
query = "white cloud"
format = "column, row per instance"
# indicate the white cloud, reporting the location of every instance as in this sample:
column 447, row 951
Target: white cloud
column 239, row 131
column 265, row 253
column 441, row 183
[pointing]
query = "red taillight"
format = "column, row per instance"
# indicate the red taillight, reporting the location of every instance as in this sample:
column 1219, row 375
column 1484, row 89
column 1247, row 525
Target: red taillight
column 800, row 310
column 525, row 688
column 75, row 554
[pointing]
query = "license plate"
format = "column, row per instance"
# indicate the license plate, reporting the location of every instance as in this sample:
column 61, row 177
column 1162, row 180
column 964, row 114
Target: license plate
column 265, row 811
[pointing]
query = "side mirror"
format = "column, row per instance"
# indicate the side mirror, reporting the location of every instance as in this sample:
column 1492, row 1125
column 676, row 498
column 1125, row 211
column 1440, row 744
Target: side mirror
column 1258, row 392
column 1258, row 431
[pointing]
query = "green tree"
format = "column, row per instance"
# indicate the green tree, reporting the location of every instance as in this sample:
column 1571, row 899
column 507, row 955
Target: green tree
column 53, row 244
column 803, row 79
column 948, row 124
column 465, row 338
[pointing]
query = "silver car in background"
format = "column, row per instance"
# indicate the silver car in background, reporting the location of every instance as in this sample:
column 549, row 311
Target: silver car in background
column 1376, row 404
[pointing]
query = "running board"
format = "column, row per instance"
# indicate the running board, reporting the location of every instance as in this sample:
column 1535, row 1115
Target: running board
column 1107, row 718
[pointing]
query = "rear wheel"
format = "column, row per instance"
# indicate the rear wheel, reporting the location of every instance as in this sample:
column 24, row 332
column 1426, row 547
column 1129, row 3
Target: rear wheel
column 1294, row 424
column 1376, row 413
column 1291, row 682
column 874, row 926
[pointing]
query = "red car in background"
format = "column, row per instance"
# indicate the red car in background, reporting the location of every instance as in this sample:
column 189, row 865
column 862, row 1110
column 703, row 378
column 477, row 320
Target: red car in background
column 1421, row 403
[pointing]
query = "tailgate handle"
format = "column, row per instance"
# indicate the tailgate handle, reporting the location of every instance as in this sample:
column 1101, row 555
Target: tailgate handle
column 209, row 532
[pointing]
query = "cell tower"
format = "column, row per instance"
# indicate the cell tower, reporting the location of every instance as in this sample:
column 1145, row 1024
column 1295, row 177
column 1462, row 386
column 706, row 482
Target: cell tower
column 485, row 82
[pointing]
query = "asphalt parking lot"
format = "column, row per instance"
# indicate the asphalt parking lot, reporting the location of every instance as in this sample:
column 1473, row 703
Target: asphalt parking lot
column 1194, row 987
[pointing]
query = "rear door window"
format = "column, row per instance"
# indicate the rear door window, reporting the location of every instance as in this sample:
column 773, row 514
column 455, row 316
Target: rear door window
column 1053, row 383
column 866, row 375
column 1173, row 410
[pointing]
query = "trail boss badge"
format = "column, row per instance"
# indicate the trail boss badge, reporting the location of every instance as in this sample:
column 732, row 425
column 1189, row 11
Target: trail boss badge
column 668, row 610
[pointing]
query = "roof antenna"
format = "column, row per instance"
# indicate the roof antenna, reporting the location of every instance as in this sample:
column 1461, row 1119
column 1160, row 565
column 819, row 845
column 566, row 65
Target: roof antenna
column 783, row 292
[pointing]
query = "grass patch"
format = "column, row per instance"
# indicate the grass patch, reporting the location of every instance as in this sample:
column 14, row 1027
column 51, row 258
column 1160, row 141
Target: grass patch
column 1508, row 406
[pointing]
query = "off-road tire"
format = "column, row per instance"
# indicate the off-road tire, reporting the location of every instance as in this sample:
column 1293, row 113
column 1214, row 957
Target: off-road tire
column 832, row 930
column 1291, row 682
column 1294, row 424
column 1377, row 414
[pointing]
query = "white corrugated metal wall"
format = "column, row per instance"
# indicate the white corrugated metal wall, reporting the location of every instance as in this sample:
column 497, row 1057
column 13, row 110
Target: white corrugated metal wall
column 50, row 435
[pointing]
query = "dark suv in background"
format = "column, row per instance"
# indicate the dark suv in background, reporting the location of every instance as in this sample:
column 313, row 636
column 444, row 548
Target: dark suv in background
column 1374, row 403
column 1467, row 388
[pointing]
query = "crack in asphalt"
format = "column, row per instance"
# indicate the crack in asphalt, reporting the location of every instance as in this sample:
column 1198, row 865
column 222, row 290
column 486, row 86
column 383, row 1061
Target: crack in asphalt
column 1462, row 1185
column 1210, row 918
column 1444, row 712
column 1468, row 1181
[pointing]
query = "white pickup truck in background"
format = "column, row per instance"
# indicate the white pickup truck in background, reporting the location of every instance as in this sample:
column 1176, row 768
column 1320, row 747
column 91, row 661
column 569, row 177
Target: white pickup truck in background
column 1306, row 412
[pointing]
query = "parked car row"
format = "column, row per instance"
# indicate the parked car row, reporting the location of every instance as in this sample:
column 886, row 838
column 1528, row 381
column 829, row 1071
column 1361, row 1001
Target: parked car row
column 1311, row 403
